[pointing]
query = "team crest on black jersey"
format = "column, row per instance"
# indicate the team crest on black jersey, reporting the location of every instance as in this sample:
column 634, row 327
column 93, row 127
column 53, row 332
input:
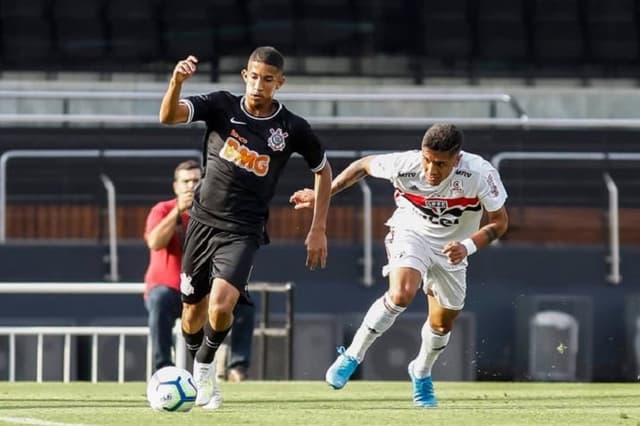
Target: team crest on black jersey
column 277, row 139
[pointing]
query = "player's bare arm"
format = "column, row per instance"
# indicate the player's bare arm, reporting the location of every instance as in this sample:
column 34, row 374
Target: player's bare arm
column 305, row 198
column 498, row 222
column 316, row 240
column 171, row 110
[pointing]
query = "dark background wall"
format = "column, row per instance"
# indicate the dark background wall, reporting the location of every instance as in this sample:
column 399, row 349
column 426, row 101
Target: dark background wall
column 539, row 183
column 501, row 280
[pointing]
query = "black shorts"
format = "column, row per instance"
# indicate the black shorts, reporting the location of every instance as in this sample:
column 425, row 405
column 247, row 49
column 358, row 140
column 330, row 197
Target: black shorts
column 210, row 253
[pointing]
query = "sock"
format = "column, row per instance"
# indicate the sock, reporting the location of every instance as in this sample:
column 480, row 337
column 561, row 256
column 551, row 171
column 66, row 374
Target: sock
column 210, row 344
column 193, row 341
column 379, row 318
column 430, row 349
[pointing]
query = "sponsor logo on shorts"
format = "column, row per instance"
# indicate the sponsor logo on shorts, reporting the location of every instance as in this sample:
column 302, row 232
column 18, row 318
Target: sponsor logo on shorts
column 185, row 285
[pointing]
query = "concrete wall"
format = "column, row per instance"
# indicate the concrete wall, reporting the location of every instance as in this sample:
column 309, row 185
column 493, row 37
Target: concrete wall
column 548, row 99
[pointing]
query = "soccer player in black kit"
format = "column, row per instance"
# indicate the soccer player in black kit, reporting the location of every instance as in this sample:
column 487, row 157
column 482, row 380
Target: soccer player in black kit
column 247, row 143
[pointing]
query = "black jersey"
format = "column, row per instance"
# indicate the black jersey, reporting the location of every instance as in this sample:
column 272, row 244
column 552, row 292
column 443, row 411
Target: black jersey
column 244, row 157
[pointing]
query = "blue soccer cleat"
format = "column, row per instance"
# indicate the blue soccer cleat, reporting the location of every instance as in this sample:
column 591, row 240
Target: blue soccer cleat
column 423, row 395
column 341, row 370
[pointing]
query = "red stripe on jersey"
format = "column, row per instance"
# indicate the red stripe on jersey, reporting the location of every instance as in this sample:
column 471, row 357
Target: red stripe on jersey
column 421, row 201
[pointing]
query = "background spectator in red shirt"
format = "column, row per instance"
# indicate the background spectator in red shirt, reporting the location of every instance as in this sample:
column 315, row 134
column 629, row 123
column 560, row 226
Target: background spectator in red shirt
column 164, row 234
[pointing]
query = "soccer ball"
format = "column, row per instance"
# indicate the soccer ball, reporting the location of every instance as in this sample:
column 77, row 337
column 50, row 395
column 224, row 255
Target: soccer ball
column 171, row 389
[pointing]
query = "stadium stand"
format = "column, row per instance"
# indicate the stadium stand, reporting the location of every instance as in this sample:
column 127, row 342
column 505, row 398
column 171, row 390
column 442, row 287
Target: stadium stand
column 274, row 22
column 613, row 33
column 558, row 33
column 58, row 213
column 502, row 35
column 80, row 32
column 27, row 34
column 408, row 38
column 448, row 33
column 134, row 32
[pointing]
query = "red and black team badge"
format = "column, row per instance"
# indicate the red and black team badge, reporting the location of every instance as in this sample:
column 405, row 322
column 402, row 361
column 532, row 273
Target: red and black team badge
column 277, row 139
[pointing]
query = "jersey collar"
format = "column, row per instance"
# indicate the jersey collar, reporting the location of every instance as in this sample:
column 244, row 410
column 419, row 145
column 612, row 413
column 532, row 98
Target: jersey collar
column 268, row 117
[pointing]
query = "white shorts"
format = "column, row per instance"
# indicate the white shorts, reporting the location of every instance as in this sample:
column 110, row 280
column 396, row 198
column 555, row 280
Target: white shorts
column 406, row 248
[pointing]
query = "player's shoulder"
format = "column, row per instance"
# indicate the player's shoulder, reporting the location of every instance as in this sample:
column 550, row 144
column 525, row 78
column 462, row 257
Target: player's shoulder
column 409, row 158
column 294, row 120
column 474, row 163
column 399, row 164
column 218, row 96
column 295, row 124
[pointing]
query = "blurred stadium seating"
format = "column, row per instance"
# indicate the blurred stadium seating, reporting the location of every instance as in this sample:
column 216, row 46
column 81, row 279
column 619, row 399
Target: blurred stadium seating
column 560, row 201
column 57, row 211
column 434, row 38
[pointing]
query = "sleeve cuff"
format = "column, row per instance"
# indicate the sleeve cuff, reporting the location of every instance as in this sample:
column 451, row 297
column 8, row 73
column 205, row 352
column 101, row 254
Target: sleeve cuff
column 190, row 107
column 321, row 165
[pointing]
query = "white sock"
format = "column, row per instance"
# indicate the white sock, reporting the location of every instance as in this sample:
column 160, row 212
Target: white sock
column 430, row 349
column 379, row 318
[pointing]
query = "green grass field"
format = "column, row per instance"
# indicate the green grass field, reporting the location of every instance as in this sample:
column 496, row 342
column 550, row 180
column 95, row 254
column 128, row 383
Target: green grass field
column 314, row 403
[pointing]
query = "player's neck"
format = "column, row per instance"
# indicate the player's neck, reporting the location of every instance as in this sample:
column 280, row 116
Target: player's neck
column 260, row 110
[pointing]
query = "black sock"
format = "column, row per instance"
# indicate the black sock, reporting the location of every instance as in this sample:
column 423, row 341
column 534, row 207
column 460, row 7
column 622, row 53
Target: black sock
column 193, row 341
column 212, row 340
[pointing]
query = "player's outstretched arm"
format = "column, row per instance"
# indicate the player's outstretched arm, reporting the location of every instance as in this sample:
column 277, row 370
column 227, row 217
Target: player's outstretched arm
column 316, row 241
column 305, row 198
column 171, row 110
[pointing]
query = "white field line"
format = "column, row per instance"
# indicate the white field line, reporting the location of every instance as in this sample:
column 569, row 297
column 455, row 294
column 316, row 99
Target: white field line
column 37, row 422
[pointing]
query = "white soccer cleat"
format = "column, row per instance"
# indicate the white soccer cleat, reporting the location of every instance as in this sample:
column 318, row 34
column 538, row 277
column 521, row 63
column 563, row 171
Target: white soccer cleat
column 216, row 398
column 204, row 378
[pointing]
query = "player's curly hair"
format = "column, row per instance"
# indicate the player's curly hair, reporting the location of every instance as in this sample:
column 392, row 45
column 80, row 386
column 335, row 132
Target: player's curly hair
column 443, row 137
column 268, row 55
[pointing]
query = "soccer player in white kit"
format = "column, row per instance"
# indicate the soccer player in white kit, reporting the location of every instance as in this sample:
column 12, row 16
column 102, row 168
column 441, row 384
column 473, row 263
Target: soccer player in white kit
column 440, row 194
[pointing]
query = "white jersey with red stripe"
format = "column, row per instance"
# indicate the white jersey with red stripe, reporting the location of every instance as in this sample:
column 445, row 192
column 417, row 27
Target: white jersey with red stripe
column 450, row 211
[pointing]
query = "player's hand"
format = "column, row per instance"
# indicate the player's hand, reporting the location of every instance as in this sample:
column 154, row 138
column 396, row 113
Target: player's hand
column 185, row 200
column 303, row 199
column 185, row 69
column 316, row 243
column 455, row 252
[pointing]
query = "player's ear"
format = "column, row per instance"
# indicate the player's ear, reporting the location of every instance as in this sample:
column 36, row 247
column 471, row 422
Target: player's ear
column 243, row 73
column 281, row 81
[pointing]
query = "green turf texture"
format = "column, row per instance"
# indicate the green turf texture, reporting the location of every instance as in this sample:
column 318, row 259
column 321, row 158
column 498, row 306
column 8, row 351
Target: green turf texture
column 314, row 403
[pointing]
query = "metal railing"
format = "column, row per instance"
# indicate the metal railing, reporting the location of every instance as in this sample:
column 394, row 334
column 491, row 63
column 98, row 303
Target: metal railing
column 264, row 329
column 614, row 276
column 113, row 235
column 367, row 257
column 108, row 184
column 522, row 121
column 67, row 96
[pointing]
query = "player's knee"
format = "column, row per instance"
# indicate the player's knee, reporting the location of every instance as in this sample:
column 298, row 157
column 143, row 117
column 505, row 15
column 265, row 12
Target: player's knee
column 400, row 297
column 440, row 328
column 193, row 317
column 220, row 313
